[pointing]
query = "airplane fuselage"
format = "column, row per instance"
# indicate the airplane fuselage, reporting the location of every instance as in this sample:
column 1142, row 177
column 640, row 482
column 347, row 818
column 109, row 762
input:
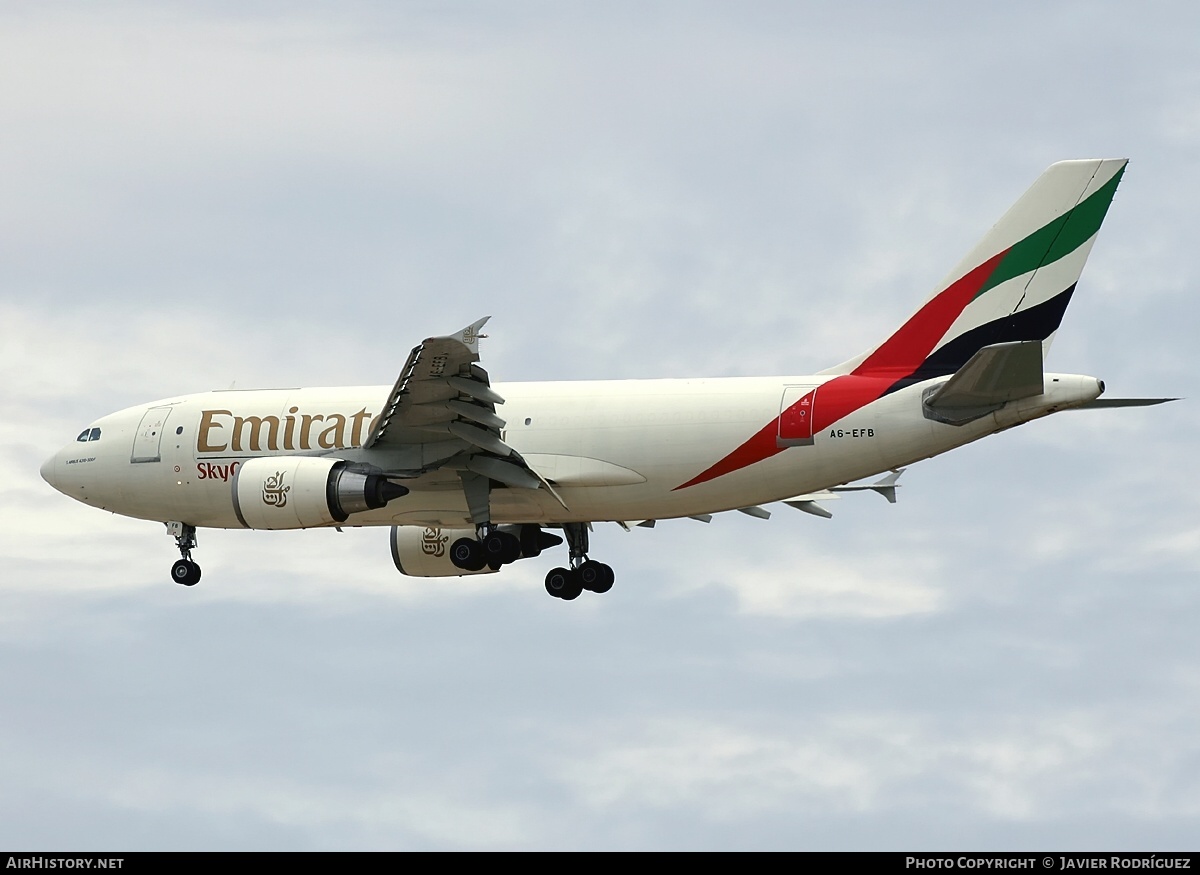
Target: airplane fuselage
column 614, row 450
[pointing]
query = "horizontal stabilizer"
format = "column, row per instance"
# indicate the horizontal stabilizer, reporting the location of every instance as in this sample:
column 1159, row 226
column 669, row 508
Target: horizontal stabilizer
column 1123, row 402
column 996, row 374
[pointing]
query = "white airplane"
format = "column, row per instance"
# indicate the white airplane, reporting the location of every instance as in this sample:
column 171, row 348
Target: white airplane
column 467, row 490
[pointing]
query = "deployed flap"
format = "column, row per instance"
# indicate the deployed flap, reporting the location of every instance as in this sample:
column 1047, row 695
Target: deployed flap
column 562, row 470
column 996, row 374
column 442, row 408
column 417, row 402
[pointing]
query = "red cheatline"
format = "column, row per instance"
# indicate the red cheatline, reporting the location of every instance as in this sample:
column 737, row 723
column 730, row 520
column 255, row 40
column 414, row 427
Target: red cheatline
column 899, row 356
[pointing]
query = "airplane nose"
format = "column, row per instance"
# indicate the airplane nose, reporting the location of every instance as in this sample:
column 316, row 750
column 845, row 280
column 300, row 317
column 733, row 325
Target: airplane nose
column 50, row 470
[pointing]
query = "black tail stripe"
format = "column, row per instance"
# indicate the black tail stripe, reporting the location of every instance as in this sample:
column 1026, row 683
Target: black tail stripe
column 1036, row 323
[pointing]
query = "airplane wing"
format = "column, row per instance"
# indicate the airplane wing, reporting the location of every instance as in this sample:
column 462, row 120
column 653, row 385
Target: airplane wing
column 418, row 408
column 443, row 407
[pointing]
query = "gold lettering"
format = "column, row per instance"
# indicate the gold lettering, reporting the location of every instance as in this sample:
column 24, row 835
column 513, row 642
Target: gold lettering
column 289, row 429
column 356, row 437
column 306, row 423
column 331, row 431
column 256, row 423
column 206, row 425
column 335, row 435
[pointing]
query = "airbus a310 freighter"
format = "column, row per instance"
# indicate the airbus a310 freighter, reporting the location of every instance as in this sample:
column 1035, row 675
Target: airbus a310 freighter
column 472, row 475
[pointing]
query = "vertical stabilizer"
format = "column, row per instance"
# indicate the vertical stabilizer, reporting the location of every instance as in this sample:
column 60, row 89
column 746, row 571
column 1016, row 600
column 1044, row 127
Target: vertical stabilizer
column 1013, row 286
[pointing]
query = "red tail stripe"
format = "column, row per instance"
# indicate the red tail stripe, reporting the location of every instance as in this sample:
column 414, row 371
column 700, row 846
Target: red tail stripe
column 904, row 351
column 898, row 356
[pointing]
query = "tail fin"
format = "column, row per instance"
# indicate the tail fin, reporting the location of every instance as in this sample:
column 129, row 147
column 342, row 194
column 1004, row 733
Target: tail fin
column 1013, row 286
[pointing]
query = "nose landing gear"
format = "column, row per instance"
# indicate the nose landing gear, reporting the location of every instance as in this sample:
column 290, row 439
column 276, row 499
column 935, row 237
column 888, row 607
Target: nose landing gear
column 185, row 571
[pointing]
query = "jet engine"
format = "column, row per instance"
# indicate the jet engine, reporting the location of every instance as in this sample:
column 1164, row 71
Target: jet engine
column 300, row 492
column 420, row 551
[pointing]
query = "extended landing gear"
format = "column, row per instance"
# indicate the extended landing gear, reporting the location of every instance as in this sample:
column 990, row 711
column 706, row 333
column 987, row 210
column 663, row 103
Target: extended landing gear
column 500, row 548
column 493, row 548
column 185, row 571
column 584, row 573
column 497, row 546
column 569, row 583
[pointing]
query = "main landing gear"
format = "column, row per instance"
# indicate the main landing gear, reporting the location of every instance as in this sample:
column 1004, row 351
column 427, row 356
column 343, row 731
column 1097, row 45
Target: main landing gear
column 492, row 548
column 495, row 547
column 584, row 573
column 185, row 571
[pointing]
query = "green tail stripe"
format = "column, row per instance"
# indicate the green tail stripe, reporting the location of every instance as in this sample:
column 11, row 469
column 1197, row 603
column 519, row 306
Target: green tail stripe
column 1058, row 239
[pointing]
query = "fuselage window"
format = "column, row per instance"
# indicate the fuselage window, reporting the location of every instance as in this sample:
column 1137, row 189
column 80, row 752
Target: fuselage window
column 83, row 435
column 94, row 435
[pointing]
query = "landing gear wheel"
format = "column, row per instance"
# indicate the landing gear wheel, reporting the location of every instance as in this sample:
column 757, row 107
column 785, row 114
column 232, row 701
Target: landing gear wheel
column 596, row 576
column 563, row 584
column 501, row 548
column 186, row 572
column 556, row 581
column 467, row 554
column 591, row 575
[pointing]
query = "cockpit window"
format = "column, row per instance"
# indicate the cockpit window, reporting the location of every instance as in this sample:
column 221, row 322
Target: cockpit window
column 89, row 434
column 83, row 435
column 95, row 435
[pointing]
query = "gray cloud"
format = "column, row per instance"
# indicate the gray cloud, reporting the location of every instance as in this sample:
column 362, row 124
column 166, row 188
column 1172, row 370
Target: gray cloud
column 1003, row 659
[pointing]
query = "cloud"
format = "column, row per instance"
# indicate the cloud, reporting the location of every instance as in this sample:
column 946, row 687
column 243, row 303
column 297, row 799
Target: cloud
column 807, row 582
column 1005, row 658
column 1017, row 768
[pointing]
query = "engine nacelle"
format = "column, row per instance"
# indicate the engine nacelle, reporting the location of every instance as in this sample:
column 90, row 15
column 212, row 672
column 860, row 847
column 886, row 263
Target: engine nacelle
column 301, row 492
column 425, row 552
column 420, row 551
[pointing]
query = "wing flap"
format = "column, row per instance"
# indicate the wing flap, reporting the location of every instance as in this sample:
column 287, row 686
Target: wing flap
column 425, row 379
column 441, row 412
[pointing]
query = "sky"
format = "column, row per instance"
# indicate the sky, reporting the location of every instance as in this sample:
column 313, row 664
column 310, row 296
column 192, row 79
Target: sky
column 195, row 196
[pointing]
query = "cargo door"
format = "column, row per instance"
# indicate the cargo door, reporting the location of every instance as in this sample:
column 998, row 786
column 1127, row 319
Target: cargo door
column 796, row 412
